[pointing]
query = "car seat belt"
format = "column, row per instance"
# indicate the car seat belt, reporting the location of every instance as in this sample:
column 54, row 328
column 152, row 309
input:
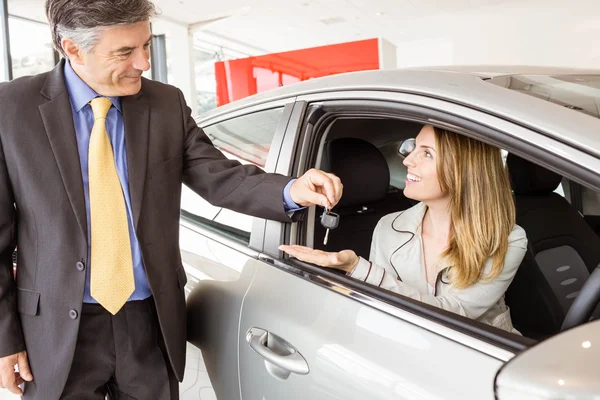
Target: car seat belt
column 576, row 196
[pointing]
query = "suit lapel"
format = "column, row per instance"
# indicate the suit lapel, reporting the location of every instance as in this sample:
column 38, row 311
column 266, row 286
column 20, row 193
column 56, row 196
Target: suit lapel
column 136, row 115
column 407, row 259
column 58, row 122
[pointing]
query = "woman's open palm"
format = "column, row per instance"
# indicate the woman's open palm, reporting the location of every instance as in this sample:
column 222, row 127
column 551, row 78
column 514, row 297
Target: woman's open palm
column 344, row 260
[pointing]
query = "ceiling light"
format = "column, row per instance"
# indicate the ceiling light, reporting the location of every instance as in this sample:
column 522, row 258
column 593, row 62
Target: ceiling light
column 333, row 20
column 379, row 13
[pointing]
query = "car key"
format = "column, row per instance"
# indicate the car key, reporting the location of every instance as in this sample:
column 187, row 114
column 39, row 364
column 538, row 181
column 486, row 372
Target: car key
column 329, row 220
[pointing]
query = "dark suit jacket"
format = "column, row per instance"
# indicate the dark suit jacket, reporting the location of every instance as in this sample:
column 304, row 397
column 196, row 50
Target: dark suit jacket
column 42, row 210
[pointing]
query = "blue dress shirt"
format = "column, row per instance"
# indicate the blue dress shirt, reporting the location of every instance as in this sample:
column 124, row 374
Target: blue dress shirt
column 80, row 94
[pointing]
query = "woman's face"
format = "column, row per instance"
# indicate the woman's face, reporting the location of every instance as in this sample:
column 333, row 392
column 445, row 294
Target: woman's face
column 422, row 182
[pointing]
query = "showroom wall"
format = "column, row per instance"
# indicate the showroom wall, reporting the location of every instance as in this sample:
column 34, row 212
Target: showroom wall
column 551, row 32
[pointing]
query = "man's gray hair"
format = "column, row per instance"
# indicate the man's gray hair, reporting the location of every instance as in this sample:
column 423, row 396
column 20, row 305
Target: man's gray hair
column 84, row 20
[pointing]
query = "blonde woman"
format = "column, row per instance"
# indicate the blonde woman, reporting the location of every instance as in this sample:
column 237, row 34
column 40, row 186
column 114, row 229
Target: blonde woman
column 459, row 248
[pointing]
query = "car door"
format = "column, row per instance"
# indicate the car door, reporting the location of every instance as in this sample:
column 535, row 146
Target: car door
column 307, row 333
column 217, row 255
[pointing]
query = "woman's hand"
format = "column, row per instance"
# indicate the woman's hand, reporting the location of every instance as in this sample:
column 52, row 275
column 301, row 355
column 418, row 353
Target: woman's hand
column 344, row 260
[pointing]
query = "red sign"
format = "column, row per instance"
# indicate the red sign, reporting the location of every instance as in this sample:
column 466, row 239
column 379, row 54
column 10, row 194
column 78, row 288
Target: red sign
column 243, row 77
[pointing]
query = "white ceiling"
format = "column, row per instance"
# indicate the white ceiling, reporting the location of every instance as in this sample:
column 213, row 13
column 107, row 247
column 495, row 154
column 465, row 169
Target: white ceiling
column 426, row 32
column 278, row 25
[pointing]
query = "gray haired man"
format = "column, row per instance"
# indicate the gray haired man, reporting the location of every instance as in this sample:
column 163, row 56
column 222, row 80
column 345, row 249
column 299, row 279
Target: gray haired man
column 92, row 159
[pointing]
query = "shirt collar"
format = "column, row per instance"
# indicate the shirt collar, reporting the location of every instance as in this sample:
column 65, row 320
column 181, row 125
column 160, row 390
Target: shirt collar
column 80, row 93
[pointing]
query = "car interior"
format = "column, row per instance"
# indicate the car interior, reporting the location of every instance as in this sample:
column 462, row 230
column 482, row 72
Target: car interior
column 564, row 248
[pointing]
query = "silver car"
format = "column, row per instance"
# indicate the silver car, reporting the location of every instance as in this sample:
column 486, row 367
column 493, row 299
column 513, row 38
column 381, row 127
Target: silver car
column 271, row 327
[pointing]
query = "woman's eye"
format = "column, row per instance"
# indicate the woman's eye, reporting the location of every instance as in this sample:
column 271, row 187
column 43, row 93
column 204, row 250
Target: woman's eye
column 428, row 154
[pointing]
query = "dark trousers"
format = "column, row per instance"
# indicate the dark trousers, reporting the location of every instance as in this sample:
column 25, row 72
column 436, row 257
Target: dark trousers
column 122, row 356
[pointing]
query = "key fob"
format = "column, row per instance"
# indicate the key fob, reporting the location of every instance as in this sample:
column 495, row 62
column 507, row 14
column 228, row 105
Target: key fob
column 330, row 220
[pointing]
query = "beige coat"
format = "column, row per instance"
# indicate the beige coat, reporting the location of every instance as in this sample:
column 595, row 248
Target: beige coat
column 397, row 265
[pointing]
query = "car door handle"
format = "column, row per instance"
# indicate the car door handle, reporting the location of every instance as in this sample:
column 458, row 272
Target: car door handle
column 260, row 341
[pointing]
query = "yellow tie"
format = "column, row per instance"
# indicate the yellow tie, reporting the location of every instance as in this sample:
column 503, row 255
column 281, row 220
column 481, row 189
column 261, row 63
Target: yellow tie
column 111, row 263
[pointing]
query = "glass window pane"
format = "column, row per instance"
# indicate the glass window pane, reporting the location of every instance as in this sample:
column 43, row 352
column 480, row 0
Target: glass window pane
column 204, row 69
column 246, row 139
column 30, row 57
column 2, row 60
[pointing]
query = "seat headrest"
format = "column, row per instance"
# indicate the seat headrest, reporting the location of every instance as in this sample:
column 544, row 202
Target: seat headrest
column 529, row 178
column 362, row 169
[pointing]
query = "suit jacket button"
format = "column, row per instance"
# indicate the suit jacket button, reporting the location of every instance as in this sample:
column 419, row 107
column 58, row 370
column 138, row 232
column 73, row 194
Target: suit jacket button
column 73, row 314
column 80, row 266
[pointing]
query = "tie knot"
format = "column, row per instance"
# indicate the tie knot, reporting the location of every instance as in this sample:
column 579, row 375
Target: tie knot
column 100, row 107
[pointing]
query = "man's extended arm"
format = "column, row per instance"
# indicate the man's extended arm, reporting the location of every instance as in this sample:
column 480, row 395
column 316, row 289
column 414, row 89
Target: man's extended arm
column 227, row 183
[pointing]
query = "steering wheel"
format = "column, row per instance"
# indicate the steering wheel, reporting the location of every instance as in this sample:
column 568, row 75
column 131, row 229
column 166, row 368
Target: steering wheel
column 585, row 303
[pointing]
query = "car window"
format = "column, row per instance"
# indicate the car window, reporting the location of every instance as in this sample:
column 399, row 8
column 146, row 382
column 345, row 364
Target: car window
column 563, row 244
column 246, row 139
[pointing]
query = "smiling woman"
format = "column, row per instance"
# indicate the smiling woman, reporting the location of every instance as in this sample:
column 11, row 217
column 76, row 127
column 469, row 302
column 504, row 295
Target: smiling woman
column 459, row 247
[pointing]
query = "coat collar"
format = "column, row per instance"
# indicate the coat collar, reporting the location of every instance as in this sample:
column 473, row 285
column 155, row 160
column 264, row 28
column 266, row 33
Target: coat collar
column 407, row 259
column 410, row 220
column 58, row 122
column 57, row 117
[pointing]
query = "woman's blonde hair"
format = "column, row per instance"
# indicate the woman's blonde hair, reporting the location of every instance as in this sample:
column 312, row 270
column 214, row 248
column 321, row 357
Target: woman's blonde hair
column 482, row 208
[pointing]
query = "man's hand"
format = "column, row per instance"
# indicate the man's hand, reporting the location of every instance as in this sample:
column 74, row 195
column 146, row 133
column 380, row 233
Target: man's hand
column 9, row 378
column 317, row 187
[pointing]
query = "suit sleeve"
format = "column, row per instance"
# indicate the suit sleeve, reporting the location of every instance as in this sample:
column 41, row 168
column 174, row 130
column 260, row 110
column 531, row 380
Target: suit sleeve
column 228, row 183
column 471, row 302
column 11, row 334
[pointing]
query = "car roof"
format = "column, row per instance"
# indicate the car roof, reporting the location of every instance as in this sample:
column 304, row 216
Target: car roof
column 492, row 71
column 465, row 85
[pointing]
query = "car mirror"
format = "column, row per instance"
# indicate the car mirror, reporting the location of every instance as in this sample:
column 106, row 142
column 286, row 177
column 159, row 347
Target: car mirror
column 563, row 367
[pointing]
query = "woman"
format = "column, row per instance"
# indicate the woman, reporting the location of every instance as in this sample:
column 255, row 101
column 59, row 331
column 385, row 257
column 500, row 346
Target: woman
column 459, row 248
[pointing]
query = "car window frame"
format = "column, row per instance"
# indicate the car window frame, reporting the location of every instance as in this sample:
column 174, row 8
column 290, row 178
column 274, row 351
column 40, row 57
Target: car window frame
column 227, row 233
column 418, row 108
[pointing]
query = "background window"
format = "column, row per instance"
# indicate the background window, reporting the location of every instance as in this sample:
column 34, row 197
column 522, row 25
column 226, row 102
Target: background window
column 206, row 51
column 3, row 74
column 246, row 139
column 30, row 57
column 204, row 68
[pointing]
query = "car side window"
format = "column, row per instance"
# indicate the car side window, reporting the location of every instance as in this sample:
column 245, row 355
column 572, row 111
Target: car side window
column 246, row 139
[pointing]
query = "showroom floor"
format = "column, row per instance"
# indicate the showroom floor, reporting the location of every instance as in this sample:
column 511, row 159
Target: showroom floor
column 195, row 386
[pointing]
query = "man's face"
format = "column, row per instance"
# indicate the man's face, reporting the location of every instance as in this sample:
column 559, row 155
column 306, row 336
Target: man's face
column 114, row 67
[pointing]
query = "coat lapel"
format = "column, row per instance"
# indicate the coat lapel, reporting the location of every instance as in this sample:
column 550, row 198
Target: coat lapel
column 58, row 122
column 407, row 258
column 136, row 116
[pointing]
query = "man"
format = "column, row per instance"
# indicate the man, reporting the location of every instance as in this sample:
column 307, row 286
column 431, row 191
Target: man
column 92, row 159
